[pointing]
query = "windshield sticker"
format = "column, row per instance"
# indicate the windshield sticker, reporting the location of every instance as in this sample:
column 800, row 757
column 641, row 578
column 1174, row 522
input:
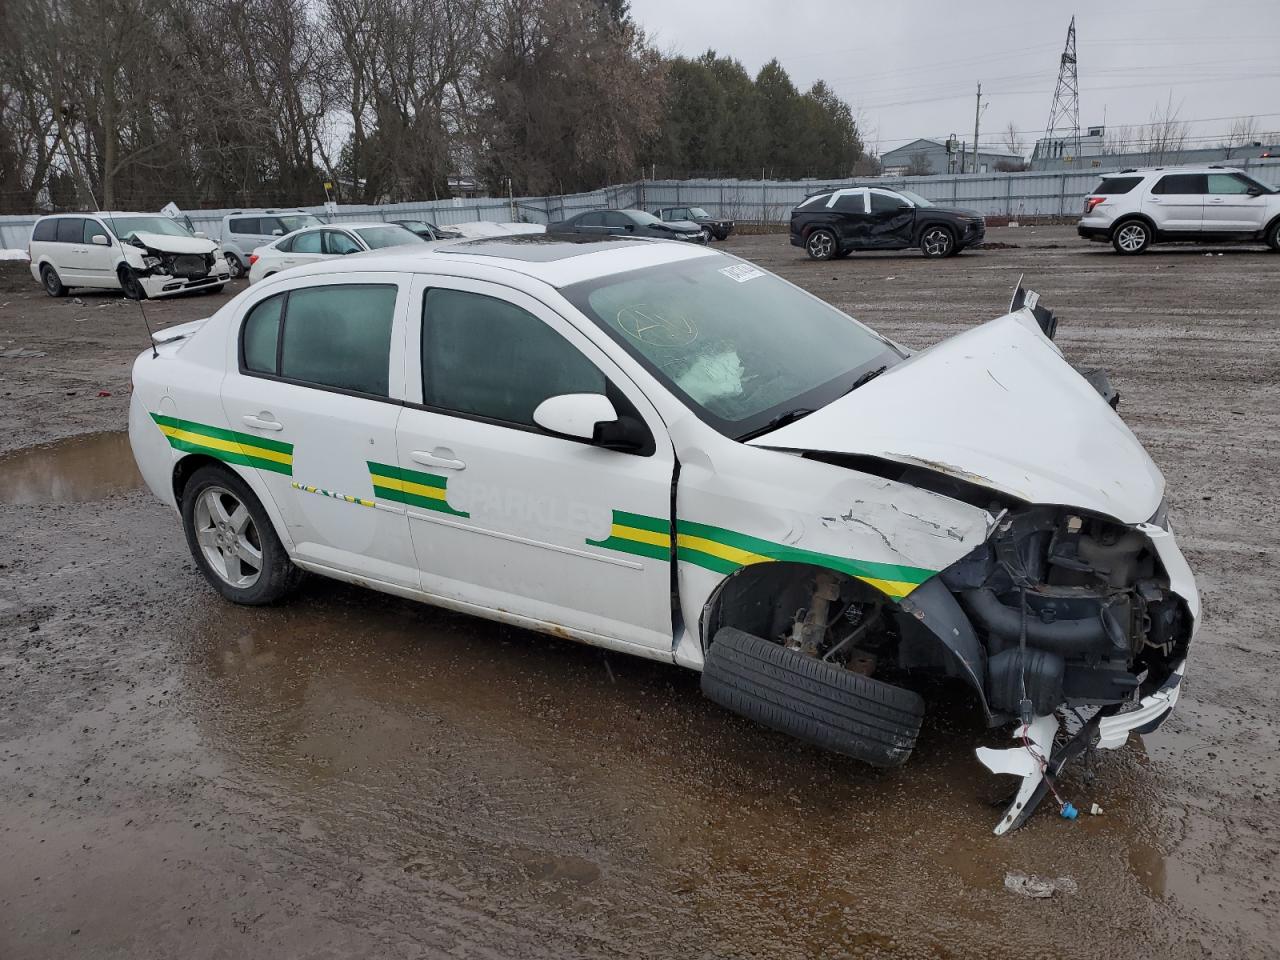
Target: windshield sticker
column 742, row 272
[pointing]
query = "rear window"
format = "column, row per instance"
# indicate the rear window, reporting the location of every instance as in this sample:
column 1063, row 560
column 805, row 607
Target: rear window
column 1113, row 186
column 45, row 230
column 245, row 225
column 817, row 200
column 71, row 230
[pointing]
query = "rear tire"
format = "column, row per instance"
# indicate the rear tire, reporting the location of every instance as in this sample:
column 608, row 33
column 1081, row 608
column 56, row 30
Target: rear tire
column 235, row 267
column 1131, row 237
column 52, row 282
column 223, row 540
column 821, row 244
column 820, row 703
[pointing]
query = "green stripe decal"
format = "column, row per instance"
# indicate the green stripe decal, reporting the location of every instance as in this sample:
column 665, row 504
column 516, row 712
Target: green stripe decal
column 863, row 569
column 229, row 446
column 638, row 535
column 412, row 487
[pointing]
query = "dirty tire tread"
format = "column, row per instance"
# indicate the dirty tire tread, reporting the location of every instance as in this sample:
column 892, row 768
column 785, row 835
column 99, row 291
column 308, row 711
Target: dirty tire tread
column 820, row 703
column 280, row 577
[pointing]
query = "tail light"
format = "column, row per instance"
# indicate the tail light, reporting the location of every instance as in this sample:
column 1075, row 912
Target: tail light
column 253, row 258
column 1091, row 202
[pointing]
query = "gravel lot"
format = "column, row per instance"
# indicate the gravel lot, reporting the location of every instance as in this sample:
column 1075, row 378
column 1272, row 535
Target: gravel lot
column 353, row 775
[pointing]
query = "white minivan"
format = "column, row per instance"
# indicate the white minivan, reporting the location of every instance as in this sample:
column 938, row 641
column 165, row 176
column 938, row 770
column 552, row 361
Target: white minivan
column 143, row 254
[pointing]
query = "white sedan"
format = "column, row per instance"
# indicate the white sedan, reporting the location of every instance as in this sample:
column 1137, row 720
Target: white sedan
column 664, row 450
column 313, row 244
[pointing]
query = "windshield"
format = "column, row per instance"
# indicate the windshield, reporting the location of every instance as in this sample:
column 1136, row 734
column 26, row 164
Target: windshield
column 392, row 235
column 640, row 217
column 699, row 212
column 294, row 222
column 740, row 346
column 413, row 224
column 915, row 198
column 126, row 227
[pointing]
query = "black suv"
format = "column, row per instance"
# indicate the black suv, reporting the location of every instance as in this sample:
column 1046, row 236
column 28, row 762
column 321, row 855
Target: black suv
column 711, row 226
column 835, row 223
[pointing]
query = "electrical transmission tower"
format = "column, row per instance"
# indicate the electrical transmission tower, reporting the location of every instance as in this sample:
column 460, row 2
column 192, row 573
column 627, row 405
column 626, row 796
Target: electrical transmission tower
column 1064, row 115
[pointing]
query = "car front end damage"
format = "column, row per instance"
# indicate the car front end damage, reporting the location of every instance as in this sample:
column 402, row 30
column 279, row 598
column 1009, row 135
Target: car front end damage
column 167, row 265
column 1058, row 594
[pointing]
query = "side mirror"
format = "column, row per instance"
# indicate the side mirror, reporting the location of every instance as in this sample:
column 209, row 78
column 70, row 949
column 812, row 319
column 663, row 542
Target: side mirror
column 576, row 415
column 1254, row 192
column 631, row 228
column 101, row 240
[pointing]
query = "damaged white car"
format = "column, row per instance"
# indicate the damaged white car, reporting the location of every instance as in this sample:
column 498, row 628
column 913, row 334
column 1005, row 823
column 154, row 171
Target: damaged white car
column 143, row 254
column 664, row 450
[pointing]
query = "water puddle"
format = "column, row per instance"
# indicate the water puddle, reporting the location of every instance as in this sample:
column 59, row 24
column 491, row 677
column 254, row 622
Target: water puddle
column 75, row 470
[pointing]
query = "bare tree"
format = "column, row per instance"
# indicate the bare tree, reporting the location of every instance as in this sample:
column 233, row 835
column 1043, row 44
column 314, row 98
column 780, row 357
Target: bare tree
column 918, row 165
column 1244, row 133
column 1013, row 142
column 1165, row 135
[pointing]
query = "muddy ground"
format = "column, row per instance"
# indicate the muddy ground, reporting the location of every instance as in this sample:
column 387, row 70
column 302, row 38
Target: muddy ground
column 355, row 776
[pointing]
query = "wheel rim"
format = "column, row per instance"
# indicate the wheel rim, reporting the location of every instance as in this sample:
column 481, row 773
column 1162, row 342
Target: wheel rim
column 50, row 280
column 936, row 242
column 706, row 234
column 820, row 245
column 234, row 268
column 228, row 537
column 1131, row 238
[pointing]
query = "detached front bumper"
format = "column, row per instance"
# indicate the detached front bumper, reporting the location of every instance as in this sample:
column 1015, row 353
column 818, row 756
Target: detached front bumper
column 1151, row 711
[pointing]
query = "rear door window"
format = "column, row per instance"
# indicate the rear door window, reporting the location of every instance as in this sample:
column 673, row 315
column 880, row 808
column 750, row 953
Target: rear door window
column 337, row 243
column 71, row 230
column 336, row 336
column 850, row 203
column 46, row 231
column 1181, row 184
column 591, row 220
column 307, row 242
column 246, row 225
column 1114, row 186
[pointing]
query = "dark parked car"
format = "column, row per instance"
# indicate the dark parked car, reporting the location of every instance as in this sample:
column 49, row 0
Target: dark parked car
column 626, row 223
column 428, row 230
column 834, row 223
column 712, row 227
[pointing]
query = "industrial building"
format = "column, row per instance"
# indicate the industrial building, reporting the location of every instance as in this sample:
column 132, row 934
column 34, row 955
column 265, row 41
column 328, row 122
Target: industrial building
column 923, row 157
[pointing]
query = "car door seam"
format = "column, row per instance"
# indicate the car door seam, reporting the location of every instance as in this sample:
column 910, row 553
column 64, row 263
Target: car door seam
column 471, row 528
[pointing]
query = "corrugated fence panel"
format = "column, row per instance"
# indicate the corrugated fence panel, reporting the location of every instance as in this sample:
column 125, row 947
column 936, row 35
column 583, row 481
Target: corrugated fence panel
column 1034, row 194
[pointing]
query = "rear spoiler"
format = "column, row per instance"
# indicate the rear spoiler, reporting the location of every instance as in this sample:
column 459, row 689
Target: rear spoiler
column 179, row 332
column 1022, row 297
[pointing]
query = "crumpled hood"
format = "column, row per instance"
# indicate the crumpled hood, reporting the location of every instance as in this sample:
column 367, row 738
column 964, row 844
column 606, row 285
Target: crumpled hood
column 167, row 244
column 997, row 406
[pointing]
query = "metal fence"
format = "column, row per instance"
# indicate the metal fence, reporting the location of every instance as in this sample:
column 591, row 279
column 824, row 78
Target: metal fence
column 1035, row 194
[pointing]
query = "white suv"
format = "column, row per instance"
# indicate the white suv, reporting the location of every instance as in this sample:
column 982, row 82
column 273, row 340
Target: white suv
column 144, row 254
column 1136, row 208
column 667, row 451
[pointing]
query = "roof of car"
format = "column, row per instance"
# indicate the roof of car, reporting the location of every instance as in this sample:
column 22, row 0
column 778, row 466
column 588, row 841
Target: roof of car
column 557, row 261
column 1197, row 168
column 347, row 225
column 104, row 213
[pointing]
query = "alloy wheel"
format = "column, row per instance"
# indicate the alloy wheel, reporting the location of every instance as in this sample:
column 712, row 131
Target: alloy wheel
column 1131, row 238
column 821, row 245
column 228, row 537
column 936, row 242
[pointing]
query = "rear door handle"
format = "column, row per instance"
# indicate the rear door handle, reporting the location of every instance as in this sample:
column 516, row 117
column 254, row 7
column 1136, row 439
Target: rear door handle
column 1215, row 200
column 439, row 457
column 262, row 423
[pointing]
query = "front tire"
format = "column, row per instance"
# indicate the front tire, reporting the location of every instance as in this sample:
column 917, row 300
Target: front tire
column 131, row 285
column 821, row 245
column 1131, row 237
column 52, row 282
column 1273, row 236
column 707, row 235
column 232, row 540
column 937, row 242
column 235, row 267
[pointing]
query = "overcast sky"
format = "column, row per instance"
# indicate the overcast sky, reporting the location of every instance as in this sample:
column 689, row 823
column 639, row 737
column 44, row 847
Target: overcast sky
column 909, row 69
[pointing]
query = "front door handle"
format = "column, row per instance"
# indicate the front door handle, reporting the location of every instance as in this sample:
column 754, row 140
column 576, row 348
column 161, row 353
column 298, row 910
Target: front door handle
column 439, row 457
column 263, row 422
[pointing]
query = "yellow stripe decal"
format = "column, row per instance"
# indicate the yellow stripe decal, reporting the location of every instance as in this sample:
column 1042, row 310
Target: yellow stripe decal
column 721, row 550
column 623, row 532
column 227, row 446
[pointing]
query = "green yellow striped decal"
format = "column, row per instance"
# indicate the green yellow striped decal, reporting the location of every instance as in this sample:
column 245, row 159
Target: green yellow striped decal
column 725, row 551
column 412, row 487
column 244, row 449
column 637, row 534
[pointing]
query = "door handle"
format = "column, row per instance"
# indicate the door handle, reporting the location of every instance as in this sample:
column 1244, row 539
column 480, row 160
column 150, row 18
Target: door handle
column 437, row 458
column 1215, row 200
column 263, row 423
